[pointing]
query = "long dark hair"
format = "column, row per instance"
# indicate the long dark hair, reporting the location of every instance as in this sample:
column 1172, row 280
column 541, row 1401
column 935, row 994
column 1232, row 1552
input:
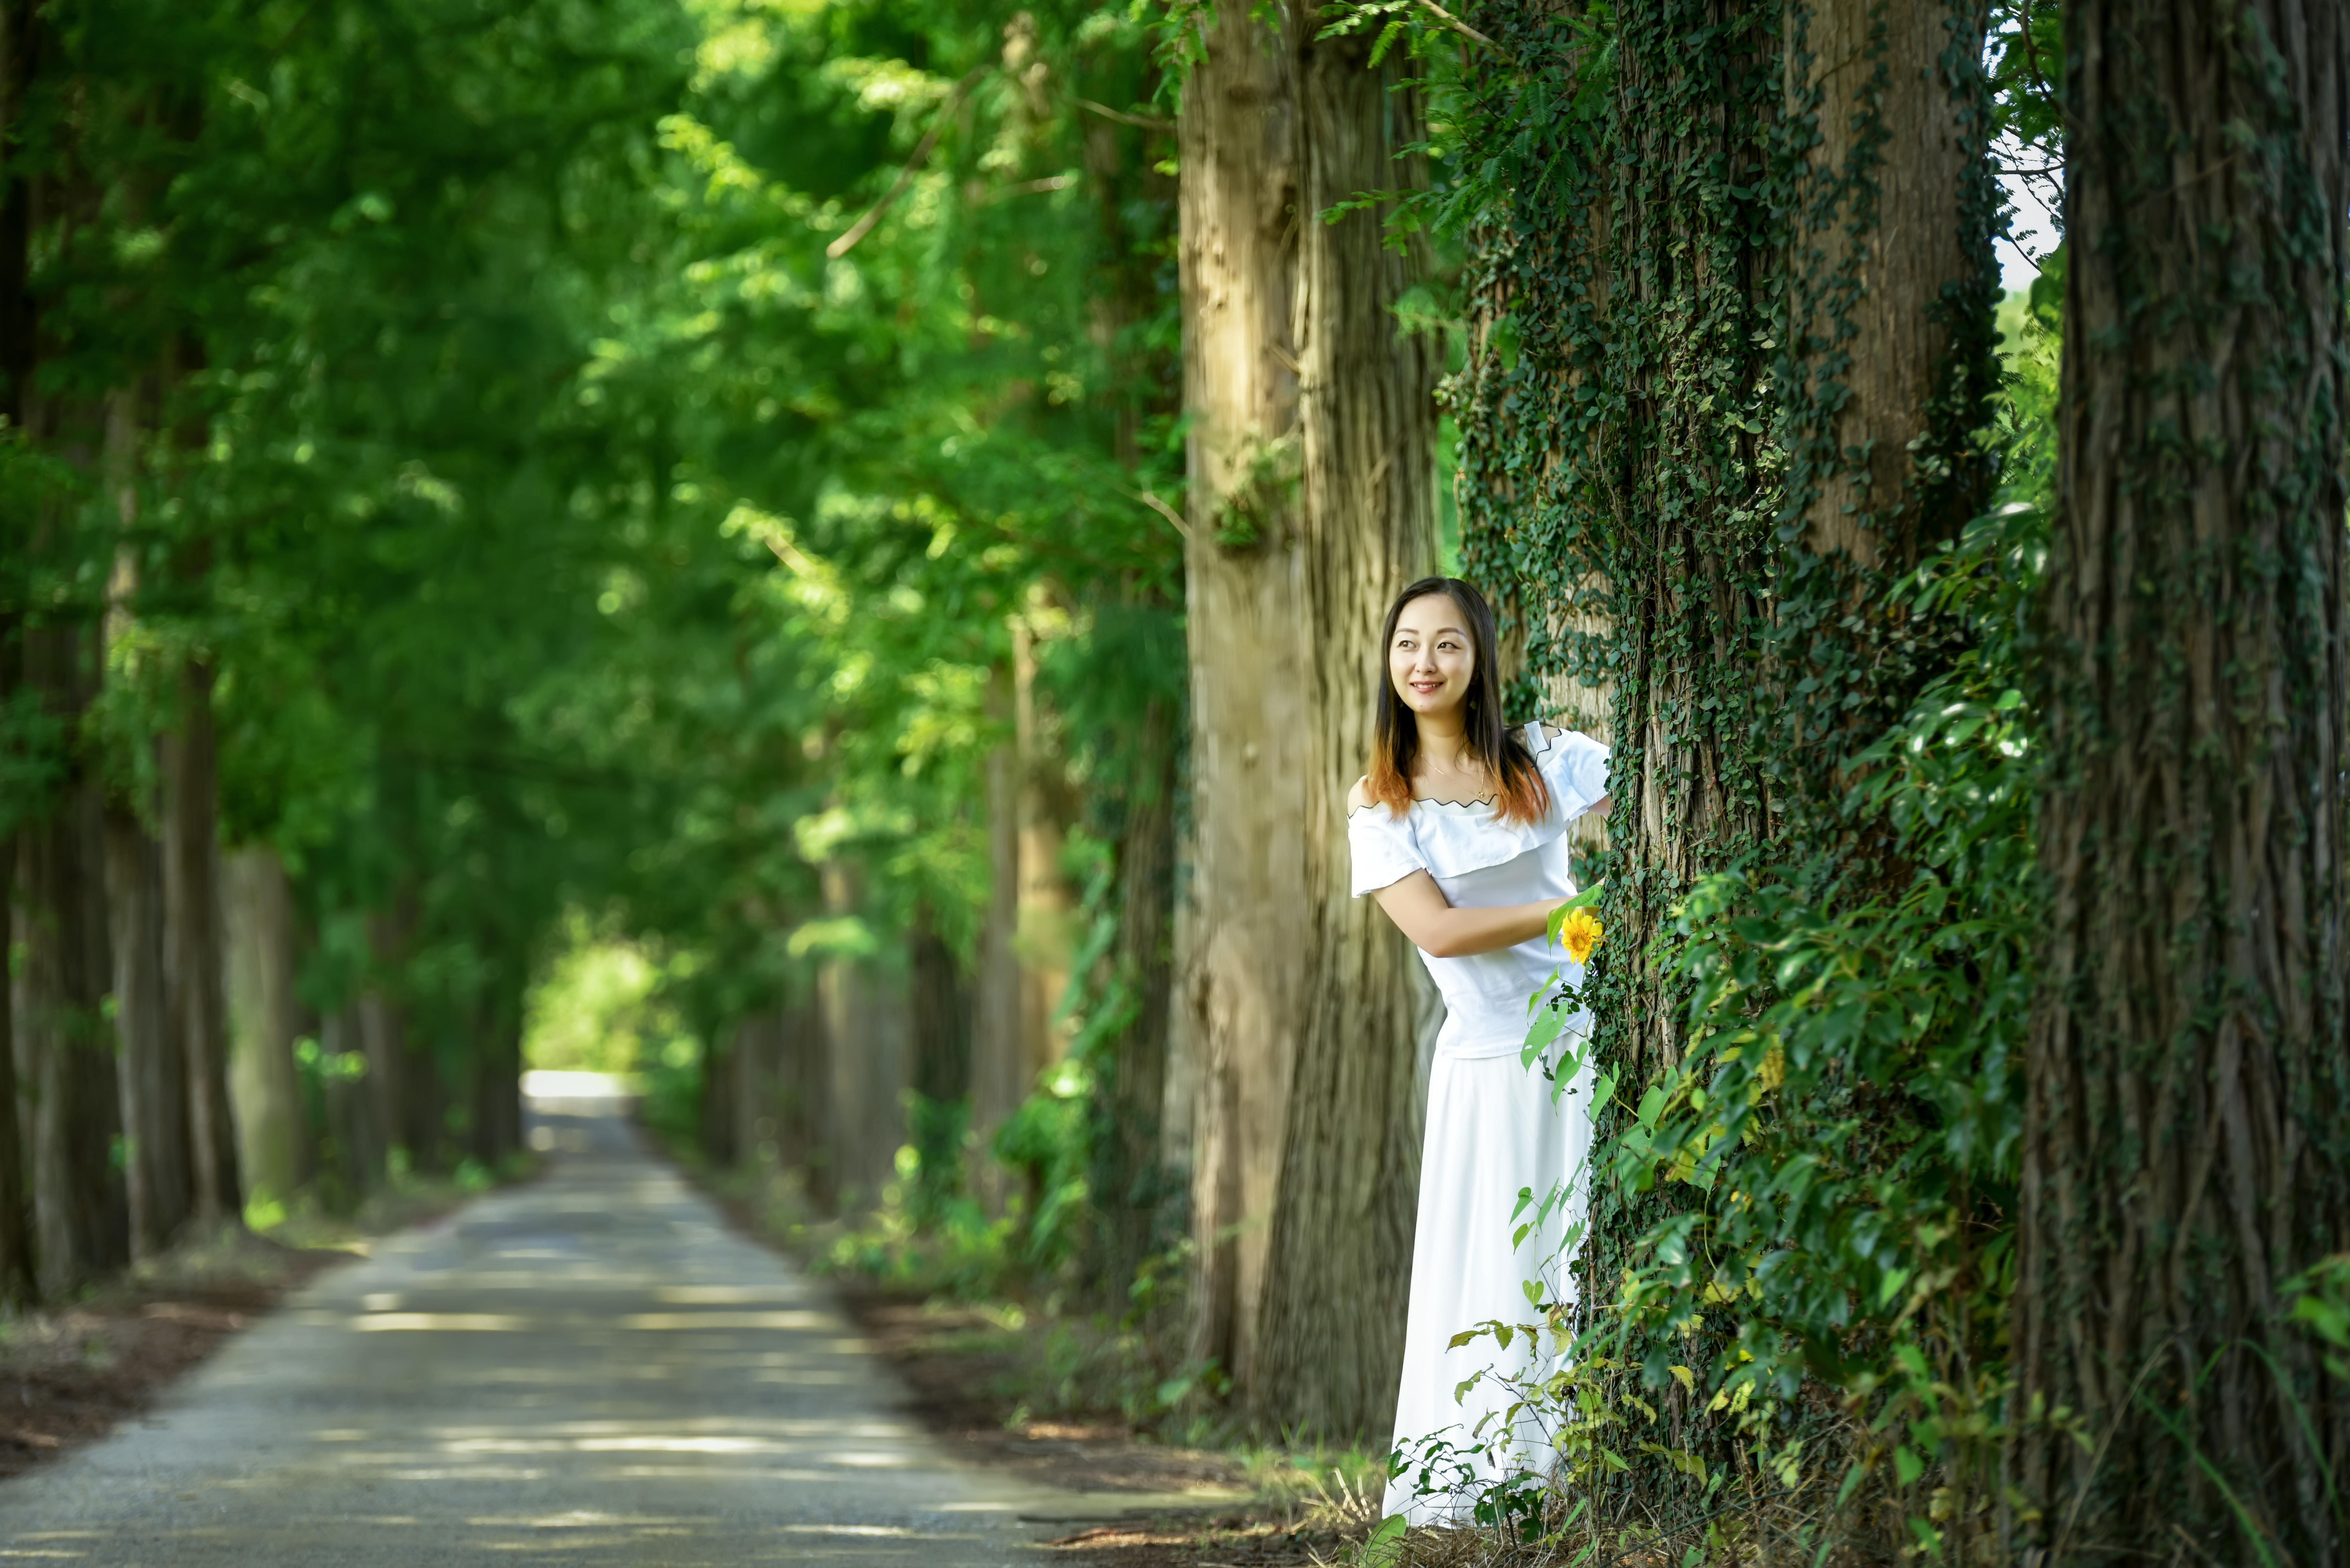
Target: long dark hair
column 1520, row 794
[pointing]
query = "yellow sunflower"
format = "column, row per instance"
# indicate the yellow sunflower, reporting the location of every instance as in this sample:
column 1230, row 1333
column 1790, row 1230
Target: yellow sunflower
column 1581, row 934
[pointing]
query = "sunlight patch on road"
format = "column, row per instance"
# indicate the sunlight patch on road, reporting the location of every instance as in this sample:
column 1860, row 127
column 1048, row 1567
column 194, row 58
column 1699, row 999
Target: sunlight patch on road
column 441, row 1322
column 581, row 1519
column 788, row 1318
column 722, row 1296
column 886, row 1531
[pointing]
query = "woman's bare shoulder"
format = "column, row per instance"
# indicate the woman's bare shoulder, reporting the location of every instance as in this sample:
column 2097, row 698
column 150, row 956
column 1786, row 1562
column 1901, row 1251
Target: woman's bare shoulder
column 1360, row 795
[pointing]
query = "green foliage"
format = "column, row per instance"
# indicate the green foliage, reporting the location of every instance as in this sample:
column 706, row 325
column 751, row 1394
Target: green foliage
column 582, row 528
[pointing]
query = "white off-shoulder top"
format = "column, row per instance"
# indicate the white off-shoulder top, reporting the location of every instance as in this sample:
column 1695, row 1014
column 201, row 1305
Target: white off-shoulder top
column 1481, row 861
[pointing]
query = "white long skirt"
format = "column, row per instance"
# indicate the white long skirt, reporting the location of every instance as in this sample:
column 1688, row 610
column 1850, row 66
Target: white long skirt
column 1493, row 1131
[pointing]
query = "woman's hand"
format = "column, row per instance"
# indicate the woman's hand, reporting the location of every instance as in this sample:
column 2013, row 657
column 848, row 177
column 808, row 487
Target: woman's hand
column 1418, row 907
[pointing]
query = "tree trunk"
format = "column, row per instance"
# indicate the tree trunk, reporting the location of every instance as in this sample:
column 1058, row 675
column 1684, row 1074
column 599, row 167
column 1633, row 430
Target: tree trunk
column 152, row 1069
column 802, row 1090
column 17, row 1282
column 80, row 1220
column 1130, row 1177
column 495, row 1090
column 2187, row 1137
column 18, row 1286
column 1243, row 983
column 382, row 1045
column 866, row 1023
column 1891, row 303
column 716, row 1110
column 352, row 1125
column 1341, row 1222
column 999, row 1078
column 193, row 954
column 753, row 1097
column 263, row 1022
column 1047, row 941
column 1893, row 286
column 939, row 1020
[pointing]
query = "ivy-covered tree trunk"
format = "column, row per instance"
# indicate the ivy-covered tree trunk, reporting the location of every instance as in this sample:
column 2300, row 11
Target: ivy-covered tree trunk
column 1342, row 1220
column 1243, row 981
column 2187, row 1141
column 1892, row 287
column 1619, row 476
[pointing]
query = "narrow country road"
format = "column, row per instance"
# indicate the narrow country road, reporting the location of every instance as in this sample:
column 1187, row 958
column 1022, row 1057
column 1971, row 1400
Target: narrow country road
column 590, row 1369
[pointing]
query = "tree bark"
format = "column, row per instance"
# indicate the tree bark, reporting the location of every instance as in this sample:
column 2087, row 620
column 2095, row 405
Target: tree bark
column 154, row 1071
column 753, row 1097
column 81, row 1224
column 940, row 1021
column 1242, row 981
column 1047, row 941
column 18, row 1284
column 194, row 955
column 496, row 1096
column 802, row 1090
column 1342, row 1220
column 865, row 1024
column 1132, row 1183
column 352, row 1123
column 263, row 1022
column 716, row 1111
column 2187, row 1137
column 999, row 1079
column 382, row 1042
column 1892, row 281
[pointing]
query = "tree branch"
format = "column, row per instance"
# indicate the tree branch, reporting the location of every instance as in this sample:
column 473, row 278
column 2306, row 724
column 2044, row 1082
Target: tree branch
column 1458, row 26
column 1146, row 122
column 864, row 226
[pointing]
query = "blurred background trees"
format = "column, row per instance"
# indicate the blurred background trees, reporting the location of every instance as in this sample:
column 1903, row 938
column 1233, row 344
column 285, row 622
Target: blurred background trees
column 515, row 492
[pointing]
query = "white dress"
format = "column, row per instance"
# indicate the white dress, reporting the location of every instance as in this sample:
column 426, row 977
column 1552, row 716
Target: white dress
column 1494, row 1130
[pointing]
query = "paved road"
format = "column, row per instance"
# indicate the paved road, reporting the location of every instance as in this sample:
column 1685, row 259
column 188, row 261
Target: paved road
column 587, row 1370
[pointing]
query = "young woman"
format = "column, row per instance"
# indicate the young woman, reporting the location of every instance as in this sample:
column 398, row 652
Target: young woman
column 1459, row 831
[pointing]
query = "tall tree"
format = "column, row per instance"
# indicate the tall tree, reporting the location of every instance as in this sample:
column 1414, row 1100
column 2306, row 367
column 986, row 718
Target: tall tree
column 1311, row 502
column 2186, row 1143
column 80, row 1221
column 1342, row 1220
column 194, row 954
column 273, row 1142
column 1243, row 986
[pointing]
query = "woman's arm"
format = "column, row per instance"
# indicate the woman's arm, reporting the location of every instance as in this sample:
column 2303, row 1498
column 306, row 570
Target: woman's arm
column 1418, row 907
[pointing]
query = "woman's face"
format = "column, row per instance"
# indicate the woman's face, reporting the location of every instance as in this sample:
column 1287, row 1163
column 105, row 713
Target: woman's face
column 1432, row 658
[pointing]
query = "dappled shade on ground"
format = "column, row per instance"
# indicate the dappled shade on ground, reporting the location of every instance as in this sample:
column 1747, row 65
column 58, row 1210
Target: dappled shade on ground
column 589, row 1368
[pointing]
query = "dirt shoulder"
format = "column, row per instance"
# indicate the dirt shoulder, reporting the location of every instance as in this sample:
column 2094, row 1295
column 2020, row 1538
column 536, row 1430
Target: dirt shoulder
column 70, row 1373
column 73, row 1371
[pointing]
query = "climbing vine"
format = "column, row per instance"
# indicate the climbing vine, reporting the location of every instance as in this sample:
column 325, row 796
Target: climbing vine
column 1817, row 898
